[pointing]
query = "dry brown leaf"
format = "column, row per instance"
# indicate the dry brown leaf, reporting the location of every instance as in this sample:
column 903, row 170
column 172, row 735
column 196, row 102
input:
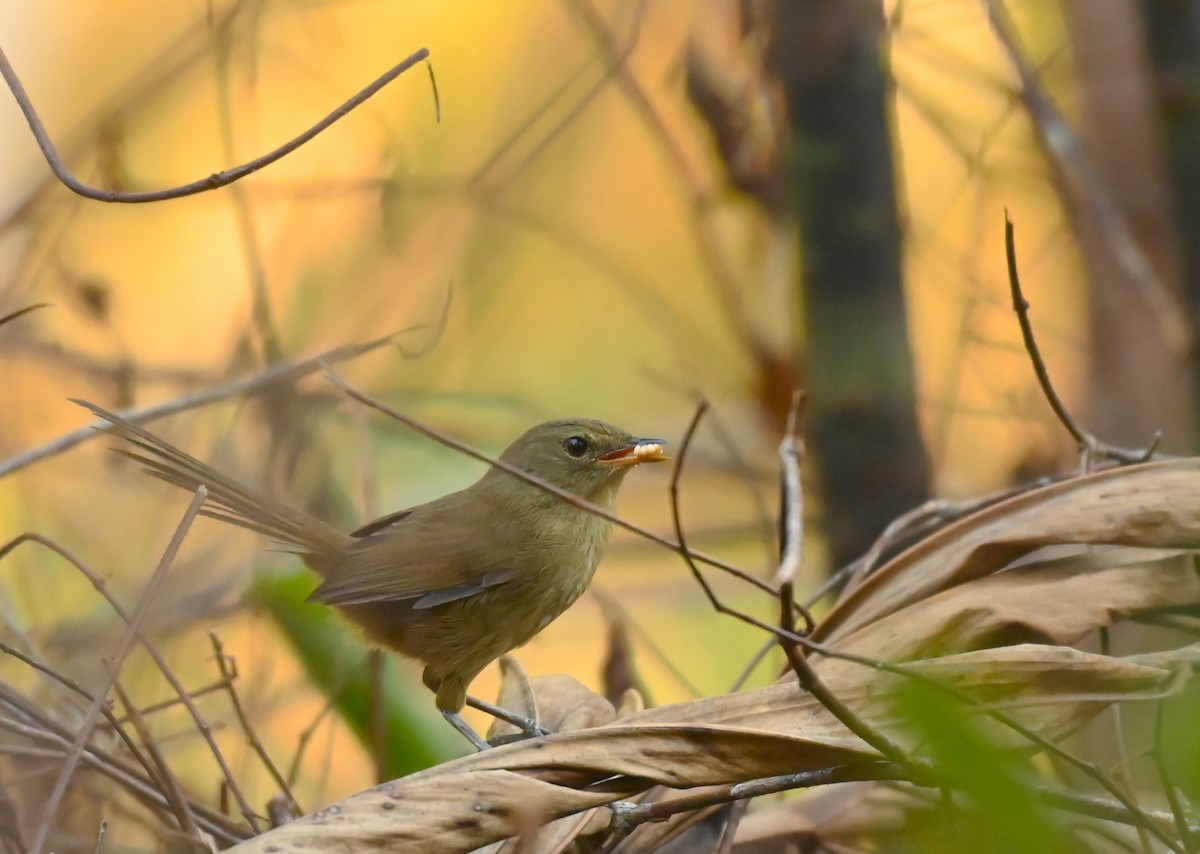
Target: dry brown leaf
column 411, row 814
column 1155, row 505
column 1185, row 657
column 559, row 702
column 1101, row 585
column 567, row 704
column 1052, row 690
column 515, row 694
column 477, row 800
column 556, row 836
column 1007, row 672
column 487, row 797
column 837, row 814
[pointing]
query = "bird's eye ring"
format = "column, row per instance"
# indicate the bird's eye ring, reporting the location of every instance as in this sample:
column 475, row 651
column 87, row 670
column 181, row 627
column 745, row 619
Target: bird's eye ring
column 576, row 446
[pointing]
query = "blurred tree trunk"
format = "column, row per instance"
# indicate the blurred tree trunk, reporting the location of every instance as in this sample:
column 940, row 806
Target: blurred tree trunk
column 1139, row 376
column 829, row 56
column 1173, row 43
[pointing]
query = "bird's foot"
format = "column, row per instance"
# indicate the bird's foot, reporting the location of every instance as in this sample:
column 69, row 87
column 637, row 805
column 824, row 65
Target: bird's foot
column 527, row 725
column 511, row 738
column 465, row 730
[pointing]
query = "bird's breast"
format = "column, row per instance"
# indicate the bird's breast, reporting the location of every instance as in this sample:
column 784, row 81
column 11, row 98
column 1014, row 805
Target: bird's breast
column 563, row 558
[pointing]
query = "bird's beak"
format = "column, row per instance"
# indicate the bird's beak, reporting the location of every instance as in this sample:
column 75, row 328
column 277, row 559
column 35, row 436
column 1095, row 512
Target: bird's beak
column 641, row 451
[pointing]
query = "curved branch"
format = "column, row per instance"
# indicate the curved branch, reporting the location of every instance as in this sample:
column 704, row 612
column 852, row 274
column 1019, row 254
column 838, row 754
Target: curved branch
column 212, row 182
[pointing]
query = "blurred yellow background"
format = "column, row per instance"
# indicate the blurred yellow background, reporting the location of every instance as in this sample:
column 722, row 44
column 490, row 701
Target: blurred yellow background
column 553, row 225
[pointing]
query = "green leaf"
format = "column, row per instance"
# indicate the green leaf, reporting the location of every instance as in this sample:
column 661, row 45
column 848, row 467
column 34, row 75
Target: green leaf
column 413, row 735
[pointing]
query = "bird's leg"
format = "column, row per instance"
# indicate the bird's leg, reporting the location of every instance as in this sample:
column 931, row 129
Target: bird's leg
column 464, row 728
column 527, row 725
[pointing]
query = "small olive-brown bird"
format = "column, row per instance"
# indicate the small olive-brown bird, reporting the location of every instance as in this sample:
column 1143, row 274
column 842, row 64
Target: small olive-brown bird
column 457, row 582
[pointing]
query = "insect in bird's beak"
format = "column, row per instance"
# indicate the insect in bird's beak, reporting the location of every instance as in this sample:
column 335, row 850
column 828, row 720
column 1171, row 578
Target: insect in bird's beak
column 641, row 451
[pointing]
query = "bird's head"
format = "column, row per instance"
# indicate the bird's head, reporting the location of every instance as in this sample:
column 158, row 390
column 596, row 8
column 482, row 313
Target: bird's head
column 588, row 458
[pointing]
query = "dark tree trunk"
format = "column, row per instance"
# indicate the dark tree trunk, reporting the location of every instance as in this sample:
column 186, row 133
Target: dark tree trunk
column 830, row 58
column 1173, row 40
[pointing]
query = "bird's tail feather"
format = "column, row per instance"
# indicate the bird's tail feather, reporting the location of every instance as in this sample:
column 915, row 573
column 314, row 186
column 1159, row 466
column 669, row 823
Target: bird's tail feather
column 228, row 500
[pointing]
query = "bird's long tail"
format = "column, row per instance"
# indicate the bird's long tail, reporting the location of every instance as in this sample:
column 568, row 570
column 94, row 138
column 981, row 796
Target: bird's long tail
column 228, row 500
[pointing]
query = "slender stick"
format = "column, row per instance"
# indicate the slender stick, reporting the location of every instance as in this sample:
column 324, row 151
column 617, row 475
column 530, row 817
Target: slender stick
column 1089, row 444
column 729, row 833
column 628, row 815
column 212, row 182
column 791, row 450
column 167, row 781
column 123, row 648
column 202, row 724
column 229, row 673
column 279, row 372
column 690, row 557
column 144, row 789
column 13, row 315
column 73, row 686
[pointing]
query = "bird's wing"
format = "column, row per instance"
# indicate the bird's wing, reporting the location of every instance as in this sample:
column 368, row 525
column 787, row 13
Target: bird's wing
column 377, row 525
column 358, row 594
column 429, row 555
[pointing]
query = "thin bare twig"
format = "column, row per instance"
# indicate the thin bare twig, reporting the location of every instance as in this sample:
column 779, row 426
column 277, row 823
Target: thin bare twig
column 73, row 686
column 305, row 738
column 131, row 634
column 250, row 384
column 13, row 315
column 167, row 781
column 144, row 789
column 791, row 450
column 212, row 182
column 729, row 833
column 627, row 815
column 810, row 682
column 1091, row 447
column 1105, row 810
column 437, row 99
column 97, row 582
column 146, row 711
column 227, row 667
column 376, row 716
column 690, row 557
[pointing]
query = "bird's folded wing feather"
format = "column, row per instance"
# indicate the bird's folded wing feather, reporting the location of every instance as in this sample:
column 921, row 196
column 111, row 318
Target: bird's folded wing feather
column 377, row 525
column 430, row 555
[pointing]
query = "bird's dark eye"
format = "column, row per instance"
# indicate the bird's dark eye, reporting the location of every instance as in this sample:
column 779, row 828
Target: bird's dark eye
column 576, row 446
